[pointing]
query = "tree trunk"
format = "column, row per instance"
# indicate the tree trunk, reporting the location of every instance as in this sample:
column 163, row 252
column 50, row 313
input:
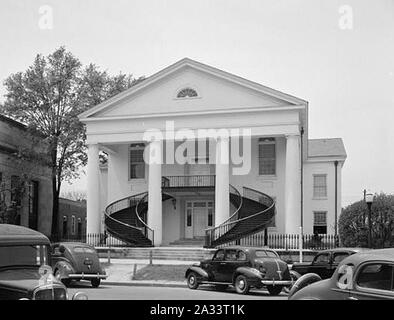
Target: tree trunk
column 55, row 194
column 55, row 211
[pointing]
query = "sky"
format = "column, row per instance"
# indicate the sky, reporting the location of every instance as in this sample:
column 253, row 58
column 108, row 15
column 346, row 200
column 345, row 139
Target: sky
column 338, row 55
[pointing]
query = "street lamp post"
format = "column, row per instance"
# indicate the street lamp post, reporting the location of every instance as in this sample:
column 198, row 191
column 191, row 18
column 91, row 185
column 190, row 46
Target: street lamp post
column 369, row 200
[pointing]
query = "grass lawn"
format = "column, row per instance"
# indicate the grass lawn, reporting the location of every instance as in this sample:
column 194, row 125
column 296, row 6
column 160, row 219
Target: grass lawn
column 162, row 272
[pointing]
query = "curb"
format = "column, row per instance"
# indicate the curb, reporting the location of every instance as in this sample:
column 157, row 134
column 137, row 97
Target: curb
column 145, row 284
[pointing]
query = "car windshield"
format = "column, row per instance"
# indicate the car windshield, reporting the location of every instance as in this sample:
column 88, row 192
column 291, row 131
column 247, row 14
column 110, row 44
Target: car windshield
column 30, row 255
column 264, row 253
column 83, row 250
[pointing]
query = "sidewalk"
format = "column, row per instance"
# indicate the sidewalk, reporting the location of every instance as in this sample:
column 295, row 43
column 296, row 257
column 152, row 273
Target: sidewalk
column 120, row 272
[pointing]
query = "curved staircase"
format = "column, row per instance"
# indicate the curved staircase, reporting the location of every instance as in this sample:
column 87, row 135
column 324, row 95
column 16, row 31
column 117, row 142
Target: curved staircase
column 126, row 219
column 254, row 212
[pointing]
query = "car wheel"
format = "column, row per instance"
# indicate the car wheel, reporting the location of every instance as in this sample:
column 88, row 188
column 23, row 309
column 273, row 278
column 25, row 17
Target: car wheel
column 192, row 281
column 294, row 275
column 95, row 282
column 242, row 285
column 304, row 281
column 274, row 290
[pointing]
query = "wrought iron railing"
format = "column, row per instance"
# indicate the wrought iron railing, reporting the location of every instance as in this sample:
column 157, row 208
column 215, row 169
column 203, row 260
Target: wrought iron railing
column 289, row 241
column 125, row 203
column 213, row 233
column 142, row 206
column 188, row 181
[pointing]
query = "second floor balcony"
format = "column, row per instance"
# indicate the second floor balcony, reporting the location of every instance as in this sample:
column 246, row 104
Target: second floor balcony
column 189, row 181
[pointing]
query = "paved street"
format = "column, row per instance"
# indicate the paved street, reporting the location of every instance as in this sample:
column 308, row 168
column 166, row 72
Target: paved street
column 107, row 292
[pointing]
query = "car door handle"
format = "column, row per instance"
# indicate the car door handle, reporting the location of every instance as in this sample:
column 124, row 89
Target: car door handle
column 222, row 263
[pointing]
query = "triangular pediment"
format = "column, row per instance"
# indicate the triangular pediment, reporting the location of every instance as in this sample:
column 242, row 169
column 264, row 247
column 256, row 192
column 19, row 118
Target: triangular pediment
column 216, row 91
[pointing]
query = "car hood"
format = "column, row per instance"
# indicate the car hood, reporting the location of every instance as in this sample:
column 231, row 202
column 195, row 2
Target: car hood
column 26, row 279
column 317, row 290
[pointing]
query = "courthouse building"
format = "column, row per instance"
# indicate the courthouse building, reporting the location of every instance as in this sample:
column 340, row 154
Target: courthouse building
column 278, row 180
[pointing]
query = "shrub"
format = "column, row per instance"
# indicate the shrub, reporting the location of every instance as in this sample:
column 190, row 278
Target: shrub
column 353, row 226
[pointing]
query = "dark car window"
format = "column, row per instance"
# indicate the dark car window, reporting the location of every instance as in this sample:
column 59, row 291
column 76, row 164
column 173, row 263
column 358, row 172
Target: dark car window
column 56, row 251
column 265, row 253
column 339, row 256
column 219, row 255
column 23, row 255
column 83, row 250
column 241, row 256
column 376, row 276
column 231, row 255
column 322, row 258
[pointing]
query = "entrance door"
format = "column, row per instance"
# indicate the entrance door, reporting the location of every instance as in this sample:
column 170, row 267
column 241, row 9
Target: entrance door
column 199, row 216
column 200, row 221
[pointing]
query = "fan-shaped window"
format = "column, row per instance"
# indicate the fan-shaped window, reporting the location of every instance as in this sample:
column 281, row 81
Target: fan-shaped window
column 187, row 93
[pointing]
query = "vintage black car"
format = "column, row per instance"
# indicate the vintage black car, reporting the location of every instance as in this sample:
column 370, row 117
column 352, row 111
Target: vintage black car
column 25, row 271
column 76, row 261
column 324, row 263
column 366, row 275
column 242, row 267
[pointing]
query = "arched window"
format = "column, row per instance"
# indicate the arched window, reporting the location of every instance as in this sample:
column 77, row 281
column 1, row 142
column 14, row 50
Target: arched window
column 187, row 93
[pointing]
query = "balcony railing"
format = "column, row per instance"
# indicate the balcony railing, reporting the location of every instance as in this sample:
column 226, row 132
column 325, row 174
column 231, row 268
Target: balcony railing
column 188, row 181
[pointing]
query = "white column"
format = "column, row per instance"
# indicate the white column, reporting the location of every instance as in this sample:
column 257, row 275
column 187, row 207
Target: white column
column 154, row 191
column 222, row 180
column 293, row 185
column 93, row 214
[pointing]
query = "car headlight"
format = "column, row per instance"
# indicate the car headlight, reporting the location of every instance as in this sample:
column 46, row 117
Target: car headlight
column 67, row 267
column 80, row 296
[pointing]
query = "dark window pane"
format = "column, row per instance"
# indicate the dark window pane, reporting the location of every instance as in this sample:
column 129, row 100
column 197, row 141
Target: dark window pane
column 210, row 217
column 376, row 276
column 320, row 229
column 231, row 255
column 189, row 218
column 137, row 163
column 267, row 158
column 320, row 186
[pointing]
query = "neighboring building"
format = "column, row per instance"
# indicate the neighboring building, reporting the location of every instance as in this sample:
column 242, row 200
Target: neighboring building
column 25, row 182
column 193, row 96
column 72, row 219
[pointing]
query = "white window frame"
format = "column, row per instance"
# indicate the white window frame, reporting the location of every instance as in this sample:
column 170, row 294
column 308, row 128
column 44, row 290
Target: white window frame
column 135, row 146
column 315, row 195
column 269, row 141
column 320, row 224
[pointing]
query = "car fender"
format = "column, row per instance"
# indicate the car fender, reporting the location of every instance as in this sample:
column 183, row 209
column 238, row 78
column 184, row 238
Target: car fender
column 201, row 273
column 64, row 267
column 295, row 275
column 303, row 282
column 251, row 273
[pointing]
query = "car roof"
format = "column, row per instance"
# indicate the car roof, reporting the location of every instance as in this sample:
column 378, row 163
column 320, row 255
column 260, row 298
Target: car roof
column 73, row 244
column 245, row 248
column 344, row 249
column 18, row 235
column 371, row 255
